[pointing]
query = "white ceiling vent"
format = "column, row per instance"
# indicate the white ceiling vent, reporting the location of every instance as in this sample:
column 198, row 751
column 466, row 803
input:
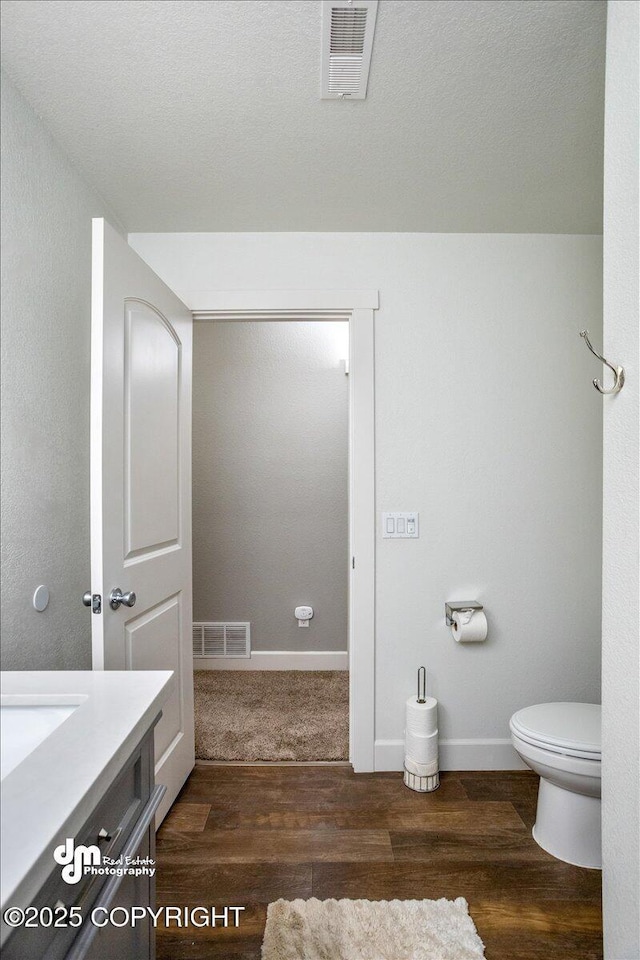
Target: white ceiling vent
column 347, row 39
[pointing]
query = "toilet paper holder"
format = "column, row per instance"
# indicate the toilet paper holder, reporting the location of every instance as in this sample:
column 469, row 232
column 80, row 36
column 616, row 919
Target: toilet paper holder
column 458, row 606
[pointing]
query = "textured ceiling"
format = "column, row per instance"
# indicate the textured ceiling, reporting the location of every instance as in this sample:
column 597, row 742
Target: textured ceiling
column 481, row 115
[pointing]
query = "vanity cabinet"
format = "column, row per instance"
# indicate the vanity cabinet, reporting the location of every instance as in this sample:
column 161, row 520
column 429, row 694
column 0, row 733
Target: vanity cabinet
column 122, row 826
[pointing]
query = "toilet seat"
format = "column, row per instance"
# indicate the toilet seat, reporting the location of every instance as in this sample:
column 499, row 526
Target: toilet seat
column 570, row 729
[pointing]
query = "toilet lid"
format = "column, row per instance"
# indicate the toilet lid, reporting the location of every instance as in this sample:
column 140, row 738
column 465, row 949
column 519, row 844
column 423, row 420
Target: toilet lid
column 571, row 728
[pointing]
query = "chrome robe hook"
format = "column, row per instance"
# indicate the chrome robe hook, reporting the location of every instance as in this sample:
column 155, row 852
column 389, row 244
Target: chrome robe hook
column 618, row 372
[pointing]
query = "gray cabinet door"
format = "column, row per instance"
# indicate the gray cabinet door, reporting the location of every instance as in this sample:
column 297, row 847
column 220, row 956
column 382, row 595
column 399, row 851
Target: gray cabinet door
column 124, row 942
column 127, row 942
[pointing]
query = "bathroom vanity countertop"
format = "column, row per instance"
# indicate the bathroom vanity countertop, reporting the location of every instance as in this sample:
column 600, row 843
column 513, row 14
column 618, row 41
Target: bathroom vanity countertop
column 49, row 793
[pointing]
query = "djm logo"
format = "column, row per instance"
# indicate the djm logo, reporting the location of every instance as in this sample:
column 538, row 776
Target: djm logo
column 74, row 859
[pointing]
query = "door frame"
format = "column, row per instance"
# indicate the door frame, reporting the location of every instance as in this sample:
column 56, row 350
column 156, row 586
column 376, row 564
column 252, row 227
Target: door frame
column 357, row 307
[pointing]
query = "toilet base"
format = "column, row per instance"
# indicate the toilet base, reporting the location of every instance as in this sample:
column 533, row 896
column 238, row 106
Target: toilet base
column 568, row 826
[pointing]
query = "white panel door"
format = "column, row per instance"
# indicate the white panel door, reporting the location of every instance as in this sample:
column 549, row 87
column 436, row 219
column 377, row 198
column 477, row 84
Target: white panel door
column 141, row 486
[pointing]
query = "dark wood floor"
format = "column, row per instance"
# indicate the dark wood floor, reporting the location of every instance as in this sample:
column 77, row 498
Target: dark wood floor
column 244, row 836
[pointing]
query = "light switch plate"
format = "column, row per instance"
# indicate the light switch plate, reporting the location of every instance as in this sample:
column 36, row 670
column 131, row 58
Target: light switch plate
column 401, row 525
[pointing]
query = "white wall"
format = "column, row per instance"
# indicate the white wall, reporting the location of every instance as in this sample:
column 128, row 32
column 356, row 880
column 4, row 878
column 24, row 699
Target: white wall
column 620, row 613
column 487, row 423
column 46, row 272
column 270, row 479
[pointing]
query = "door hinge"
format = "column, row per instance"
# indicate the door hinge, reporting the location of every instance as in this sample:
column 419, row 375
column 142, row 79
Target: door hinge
column 353, row 563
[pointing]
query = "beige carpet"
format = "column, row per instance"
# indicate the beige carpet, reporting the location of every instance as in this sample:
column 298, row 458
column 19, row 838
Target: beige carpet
column 272, row 714
column 370, row 930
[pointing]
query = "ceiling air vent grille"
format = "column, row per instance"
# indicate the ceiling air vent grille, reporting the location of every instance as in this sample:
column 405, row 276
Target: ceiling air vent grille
column 347, row 40
column 231, row 640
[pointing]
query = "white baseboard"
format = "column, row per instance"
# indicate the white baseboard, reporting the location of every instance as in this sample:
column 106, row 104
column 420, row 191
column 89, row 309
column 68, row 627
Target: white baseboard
column 278, row 660
column 455, row 755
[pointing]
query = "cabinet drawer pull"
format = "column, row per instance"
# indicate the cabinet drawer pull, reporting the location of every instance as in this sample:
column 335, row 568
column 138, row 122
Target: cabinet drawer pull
column 88, row 931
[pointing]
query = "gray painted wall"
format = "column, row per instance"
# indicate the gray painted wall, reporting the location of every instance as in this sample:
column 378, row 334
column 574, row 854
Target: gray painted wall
column 620, row 610
column 46, row 272
column 270, row 479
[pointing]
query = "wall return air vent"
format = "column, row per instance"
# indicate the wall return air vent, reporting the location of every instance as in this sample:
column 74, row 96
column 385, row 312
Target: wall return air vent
column 347, row 40
column 231, row 640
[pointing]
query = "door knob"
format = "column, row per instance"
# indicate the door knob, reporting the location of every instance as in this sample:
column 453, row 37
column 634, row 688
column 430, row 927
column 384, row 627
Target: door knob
column 116, row 597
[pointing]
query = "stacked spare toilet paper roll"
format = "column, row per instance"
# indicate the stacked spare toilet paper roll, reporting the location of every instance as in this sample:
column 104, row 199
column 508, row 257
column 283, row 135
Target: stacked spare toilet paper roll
column 421, row 744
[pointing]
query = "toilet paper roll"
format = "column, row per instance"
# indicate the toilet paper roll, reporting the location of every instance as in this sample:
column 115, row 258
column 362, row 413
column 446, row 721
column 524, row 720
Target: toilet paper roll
column 469, row 627
column 427, row 756
column 421, row 718
column 421, row 749
column 421, row 769
column 416, row 735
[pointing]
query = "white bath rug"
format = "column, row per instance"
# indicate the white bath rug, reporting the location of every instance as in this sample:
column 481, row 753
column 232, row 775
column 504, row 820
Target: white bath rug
column 370, row 930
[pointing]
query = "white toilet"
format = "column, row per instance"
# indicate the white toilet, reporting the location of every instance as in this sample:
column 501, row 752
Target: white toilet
column 561, row 742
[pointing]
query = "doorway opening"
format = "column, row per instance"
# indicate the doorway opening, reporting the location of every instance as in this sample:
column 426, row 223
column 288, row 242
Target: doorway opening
column 271, row 539
column 358, row 308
